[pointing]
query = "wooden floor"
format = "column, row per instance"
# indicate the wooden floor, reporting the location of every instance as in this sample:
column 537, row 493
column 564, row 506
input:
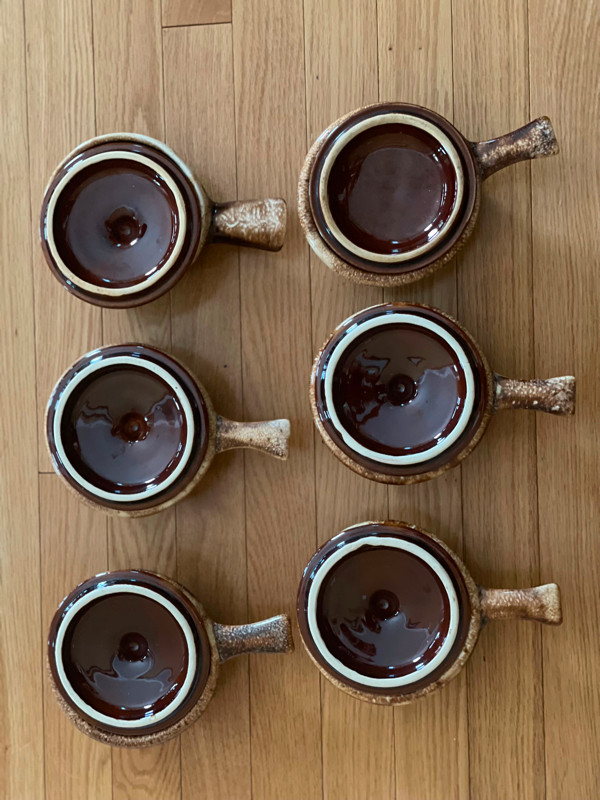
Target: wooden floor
column 240, row 88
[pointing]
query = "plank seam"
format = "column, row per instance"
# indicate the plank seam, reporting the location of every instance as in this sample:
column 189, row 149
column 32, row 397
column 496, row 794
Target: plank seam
column 31, row 260
column 535, row 425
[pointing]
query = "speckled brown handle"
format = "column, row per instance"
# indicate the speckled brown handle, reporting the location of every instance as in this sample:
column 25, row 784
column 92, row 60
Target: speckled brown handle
column 540, row 604
column 251, row 223
column 272, row 635
column 271, row 437
column 534, row 140
column 553, row 395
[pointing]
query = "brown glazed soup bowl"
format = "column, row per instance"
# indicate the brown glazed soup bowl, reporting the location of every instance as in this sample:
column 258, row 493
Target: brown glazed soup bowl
column 133, row 659
column 390, row 192
column 389, row 613
column 400, row 392
column 132, row 431
column 123, row 218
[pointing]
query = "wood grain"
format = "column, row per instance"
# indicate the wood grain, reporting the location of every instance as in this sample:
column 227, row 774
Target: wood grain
column 491, row 97
column 133, row 100
column 276, row 358
column 354, row 733
column 22, row 736
column 60, row 100
column 76, row 766
column 241, row 102
column 195, row 12
column 564, row 53
column 415, row 66
column 207, row 336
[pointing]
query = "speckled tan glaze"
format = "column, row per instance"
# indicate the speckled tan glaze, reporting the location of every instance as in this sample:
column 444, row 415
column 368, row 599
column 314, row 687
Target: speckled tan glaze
column 554, row 395
column 272, row 635
column 502, row 393
column 226, row 641
column 540, row 603
column 253, row 223
column 270, row 437
column 534, row 140
column 503, row 605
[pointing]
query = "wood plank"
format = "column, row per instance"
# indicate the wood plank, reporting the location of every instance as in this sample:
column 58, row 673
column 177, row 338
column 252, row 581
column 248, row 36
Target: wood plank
column 61, row 115
column 76, row 766
column 206, row 334
column 564, row 58
column 499, row 479
column 195, row 12
column 21, row 739
column 276, row 357
column 354, row 733
column 146, row 543
column 415, row 66
column 129, row 34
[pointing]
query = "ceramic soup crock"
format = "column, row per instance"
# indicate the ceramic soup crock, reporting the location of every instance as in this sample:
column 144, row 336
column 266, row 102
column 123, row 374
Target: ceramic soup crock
column 123, row 218
column 389, row 613
column 388, row 193
column 133, row 658
column 400, row 392
column 132, row 431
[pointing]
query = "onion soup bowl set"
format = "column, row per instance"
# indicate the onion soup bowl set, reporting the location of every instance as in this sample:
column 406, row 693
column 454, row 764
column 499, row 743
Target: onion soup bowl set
column 400, row 392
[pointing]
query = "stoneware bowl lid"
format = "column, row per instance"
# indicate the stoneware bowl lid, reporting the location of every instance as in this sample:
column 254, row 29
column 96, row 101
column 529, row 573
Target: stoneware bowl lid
column 399, row 388
column 127, row 425
column 385, row 609
column 128, row 653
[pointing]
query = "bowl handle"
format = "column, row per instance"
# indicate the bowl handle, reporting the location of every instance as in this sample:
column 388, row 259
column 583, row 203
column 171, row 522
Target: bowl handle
column 554, row 395
column 272, row 635
column 271, row 437
column 534, row 140
column 252, row 223
column 540, row 604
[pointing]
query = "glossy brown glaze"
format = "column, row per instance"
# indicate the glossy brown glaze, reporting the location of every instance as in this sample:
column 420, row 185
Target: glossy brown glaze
column 311, row 203
column 114, row 224
column 123, row 428
column 376, row 611
column 391, row 403
column 383, row 612
column 125, row 655
column 398, row 389
column 392, row 188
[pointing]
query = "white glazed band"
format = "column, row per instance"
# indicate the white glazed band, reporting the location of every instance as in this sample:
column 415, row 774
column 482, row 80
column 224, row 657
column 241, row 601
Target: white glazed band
column 417, row 322
column 182, row 399
column 351, row 133
column 123, row 588
column 408, row 547
column 160, row 273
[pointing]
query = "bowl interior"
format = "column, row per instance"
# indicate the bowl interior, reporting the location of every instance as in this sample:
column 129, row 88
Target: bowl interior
column 392, row 189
